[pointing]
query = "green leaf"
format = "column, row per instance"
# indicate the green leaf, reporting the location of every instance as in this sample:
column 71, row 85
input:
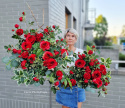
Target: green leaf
column 5, row 59
column 14, row 63
column 25, row 31
column 25, row 73
column 22, row 79
column 102, row 59
column 16, row 37
column 8, row 67
column 39, row 52
column 16, row 72
column 65, row 82
column 6, row 47
column 88, row 48
column 36, row 84
column 47, row 72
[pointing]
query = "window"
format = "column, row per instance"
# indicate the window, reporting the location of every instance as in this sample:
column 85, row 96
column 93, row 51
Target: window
column 67, row 18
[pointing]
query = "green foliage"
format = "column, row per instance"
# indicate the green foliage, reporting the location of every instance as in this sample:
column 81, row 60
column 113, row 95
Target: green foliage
column 121, row 57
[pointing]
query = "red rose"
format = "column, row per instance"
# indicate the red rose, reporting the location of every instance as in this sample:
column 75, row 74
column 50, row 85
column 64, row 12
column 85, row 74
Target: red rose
column 23, row 13
column 19, row 32
column 16, row 25
column 85, row 81
column 56, row 83
column 9, row 49
column 90, row 52
column 93, row 46
column 96, row 74
column 97, row 81
column 35, row 79
column 23, row 64
column 51, row 31
column 53, row 26
column 46, row 31
column 13, row 30
column 88, row 70
column 71, row 72
column 25, row 35
column 91, row 63
column 38, row 37
column 45, row 45
column 87, row 76
column 47, row 55
column 32, row 58
column 102, row 67
column 73, row 81
column 56, row 52
column 63, row 50
column 80, row 63
column 104, row 72
column 21, row 19
column 19, row 56
column 25, row 54
column 31, row 38
column 62, row 39
column 81, row 56
column 15, row 51
column 59, row 78
column 19, row 51
column 106, row 84
column 57, row 41
column 50, row 63
column 26, row 46
column 59, row 73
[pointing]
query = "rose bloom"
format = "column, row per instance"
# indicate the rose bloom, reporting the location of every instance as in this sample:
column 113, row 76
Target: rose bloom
column 93, row 46
column 25, row 54
column 59, row 73
column 85, row 81
column 81, row 56
column 15, row 51
column 96, row 74
column 45, row 45
column 19, row 51
column 46, row 31
column 90, row 52
column 73, row 81
column 23, row 64
column 80, row 63
column 57, row 41
column 19, row 32
column 88, row 70
column 102, row 67
column 47, row 55
column 60, row 78
column 87, row 76
column 31, row 39
column 63, row 50
column 32, row 58
column 21, row 19
column 38, row 36
column 71, row 72
column 53, row 26
column 16, row 25
column 25, row 35
column 56, row 83
column 97, row 81
column 26, row 46
column 56, row 52
column 50, row 63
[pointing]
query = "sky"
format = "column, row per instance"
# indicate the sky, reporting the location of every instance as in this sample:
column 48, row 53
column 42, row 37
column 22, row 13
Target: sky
column 114, row 11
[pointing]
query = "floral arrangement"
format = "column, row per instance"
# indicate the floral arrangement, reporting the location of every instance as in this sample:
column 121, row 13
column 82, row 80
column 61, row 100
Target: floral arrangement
column 89, row 73
column 38, row 56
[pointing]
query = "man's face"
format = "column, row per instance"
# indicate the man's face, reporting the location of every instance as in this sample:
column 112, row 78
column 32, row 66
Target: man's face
column 70, row 38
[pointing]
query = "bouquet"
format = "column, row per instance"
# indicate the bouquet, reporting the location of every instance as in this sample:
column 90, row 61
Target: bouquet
column 38, row 56
column 88, row 72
